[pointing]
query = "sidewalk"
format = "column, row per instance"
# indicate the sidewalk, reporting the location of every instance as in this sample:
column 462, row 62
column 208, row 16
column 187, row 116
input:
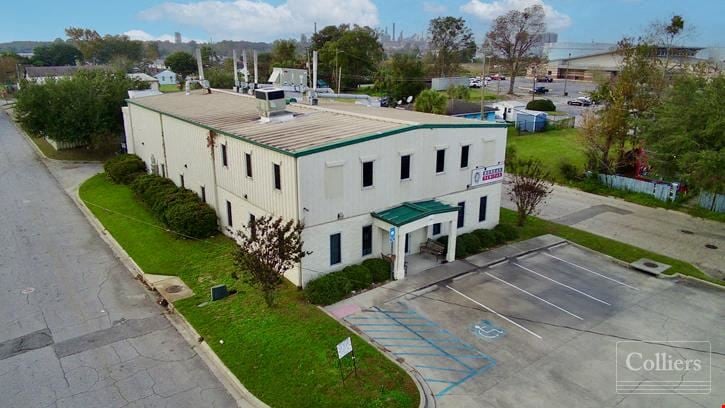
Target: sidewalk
column 655, row 229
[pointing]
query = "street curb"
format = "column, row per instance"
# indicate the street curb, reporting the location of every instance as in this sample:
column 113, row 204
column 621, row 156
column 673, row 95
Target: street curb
column 231, row 383
column 427, row 399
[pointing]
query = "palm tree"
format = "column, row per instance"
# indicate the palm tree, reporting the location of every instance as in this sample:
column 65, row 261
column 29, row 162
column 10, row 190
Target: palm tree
column 431, row 101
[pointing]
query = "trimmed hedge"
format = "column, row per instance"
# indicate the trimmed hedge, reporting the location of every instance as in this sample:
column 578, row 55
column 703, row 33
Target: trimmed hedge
column 124, row 168
column 486, row 237
column 379, row 269
column 509, row 232
column 544, row 105
column 474, row 242
column 180, row 209
column 334, row 287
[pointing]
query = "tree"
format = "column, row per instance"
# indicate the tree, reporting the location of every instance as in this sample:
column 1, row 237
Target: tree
column 119, row 47
column 514, row 36
column 529, row 187
column 685, row 135
column 284, row 54
column 401, row 76
column 268, row 247
column 431, row 101
column 458, row 92
column 451, row 42
column 182, row 63
column 356, row 50
column 85, row 108
column 87, row 40
column 57, row 53
column 8, row 68
column 220, row 76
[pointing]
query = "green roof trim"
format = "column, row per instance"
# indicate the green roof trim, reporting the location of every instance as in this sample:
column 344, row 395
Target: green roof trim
column 409, row 212
column 332, row 145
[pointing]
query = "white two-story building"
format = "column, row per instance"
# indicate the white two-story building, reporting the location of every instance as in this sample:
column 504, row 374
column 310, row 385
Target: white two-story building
column 354, row 175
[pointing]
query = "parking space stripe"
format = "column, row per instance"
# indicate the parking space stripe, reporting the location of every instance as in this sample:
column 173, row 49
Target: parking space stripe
column 442, row 368
column 534, row 296
column 561, row 284
column 589, row 270
column 497, row 313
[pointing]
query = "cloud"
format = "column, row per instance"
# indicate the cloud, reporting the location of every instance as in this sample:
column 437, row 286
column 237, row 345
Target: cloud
column 144, row 36
column 434, row 8
column 260, row 21
column 489, row 10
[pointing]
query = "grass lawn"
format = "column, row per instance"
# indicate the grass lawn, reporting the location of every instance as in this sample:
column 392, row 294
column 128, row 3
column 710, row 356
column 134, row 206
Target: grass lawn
column 79, row 154
column 625, row 252
column 285, row 355
column 551, row 147
column 169, row 88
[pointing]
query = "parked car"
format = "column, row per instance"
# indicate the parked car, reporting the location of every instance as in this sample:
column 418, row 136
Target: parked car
column 498, row 77
column 544, row 78
column 580, row 101
column 474, row 83
column 540, row 90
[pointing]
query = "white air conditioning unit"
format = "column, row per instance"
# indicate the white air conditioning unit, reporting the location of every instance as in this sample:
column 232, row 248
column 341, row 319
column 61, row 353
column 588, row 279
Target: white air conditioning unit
column 270, row 102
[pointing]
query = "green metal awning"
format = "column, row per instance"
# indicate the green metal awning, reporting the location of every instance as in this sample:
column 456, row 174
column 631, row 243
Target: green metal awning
column 409, row 212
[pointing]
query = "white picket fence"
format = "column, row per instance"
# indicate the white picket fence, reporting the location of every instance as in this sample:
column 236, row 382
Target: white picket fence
column 661, row 191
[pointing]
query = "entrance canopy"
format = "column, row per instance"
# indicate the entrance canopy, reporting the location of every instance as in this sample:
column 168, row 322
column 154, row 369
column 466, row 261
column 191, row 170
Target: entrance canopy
column 408, row 217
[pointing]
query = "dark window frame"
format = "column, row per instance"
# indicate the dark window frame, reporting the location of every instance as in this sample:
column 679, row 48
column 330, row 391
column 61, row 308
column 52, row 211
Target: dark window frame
column 335, row 249
column 248, row 164
column 368, row 178
column 225, row 161
column 460, row 221
column 482, row 208
column 181, row 180
column 203, row 194
column 440, row 162
column 277, row 170
column 405, row 166
column 367, row 240
column 437, row 228
column 465, row 154
column 230, row 220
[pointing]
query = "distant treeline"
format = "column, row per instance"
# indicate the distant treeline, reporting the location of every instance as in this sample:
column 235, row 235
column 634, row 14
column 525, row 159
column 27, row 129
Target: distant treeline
column 222, row 48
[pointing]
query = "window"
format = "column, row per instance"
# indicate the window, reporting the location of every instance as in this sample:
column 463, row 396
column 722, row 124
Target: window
column 224, row 155
column 367, row 176
column 335, row 255
column 181, row 178
column 163, row 170
column 248, row 162
column 464, row 156
column 405, row 167
column 461, row 213
column 203, row 194
column 482, row 209
column 440, row 160
column 437, row 228
column 253, row 225
column 367, row 240
column 229, row 214
column 407, row 248
column 277, row 177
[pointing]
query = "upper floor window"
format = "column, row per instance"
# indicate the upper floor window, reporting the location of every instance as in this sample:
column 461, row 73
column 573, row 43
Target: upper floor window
column 440, row 160
column 248, row 163
column 224, row 155
column 277, row 177
column 464, row 156
column 367, row 174
column 405, row 167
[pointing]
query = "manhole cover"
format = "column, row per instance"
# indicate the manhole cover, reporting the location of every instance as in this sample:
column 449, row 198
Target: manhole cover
column 651, row 264
column 27, row 291
column 688, row 232
column 710, row 246
column 174, row 289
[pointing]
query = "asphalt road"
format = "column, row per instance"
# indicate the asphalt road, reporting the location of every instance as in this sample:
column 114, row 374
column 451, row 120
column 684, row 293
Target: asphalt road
column 76, row 330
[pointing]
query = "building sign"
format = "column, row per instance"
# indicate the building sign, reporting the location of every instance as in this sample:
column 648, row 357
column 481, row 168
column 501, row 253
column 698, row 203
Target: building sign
column 344, row 348
column 487, row 175
column 392, row 234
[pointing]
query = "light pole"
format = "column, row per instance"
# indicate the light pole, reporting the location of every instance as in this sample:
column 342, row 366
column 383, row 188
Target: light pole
column 566, row 75
column 483, row 82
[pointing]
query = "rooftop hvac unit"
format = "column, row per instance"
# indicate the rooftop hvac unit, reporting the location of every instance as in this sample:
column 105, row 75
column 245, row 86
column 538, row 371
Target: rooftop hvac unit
column 270, row 103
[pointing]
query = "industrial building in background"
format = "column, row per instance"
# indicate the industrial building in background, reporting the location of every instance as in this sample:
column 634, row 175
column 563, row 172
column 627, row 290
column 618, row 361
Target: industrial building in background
column 366, row 182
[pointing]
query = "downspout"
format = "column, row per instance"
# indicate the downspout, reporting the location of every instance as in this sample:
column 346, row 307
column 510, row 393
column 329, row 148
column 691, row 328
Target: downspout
column 163, row 144
column 212, row 146
column 299, row 217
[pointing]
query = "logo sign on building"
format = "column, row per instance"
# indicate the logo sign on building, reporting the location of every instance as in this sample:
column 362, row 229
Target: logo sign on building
column 487, row 175
column 663, row 367
column 344, row 348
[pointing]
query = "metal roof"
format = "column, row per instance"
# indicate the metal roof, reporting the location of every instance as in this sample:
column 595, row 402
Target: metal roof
column 313, row 127
column 409, row 212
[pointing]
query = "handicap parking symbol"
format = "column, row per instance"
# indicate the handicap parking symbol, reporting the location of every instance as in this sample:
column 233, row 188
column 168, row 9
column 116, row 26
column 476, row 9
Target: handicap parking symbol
column 487, row 330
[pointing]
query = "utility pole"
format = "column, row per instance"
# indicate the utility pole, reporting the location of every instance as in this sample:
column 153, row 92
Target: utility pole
column 566, row 75
column 483, row 81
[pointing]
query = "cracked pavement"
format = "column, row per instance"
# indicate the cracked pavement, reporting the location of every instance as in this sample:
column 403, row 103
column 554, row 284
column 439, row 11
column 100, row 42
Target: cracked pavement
column 76, row 330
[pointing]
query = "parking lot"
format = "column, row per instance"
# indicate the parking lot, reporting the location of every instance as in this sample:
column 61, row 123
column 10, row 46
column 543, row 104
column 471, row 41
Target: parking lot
column 542, row 330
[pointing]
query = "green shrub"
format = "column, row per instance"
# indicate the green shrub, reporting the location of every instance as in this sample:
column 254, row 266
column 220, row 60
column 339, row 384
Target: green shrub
column 379, row 269
column 191, row 218
column 328, row 289
column 509, row 231
column 499, row 236
column 359, row 276
column 544, row 105
column 467, row 244
column 569, row 170
column 169, row 198
column 124, row 168
column 486, row 237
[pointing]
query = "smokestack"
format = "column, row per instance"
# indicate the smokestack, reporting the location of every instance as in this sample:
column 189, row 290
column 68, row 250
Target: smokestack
column 244, row 65
column 393, row 32
column 236, row 71
column 314, row 70
column 256, row 69
column 199, row 64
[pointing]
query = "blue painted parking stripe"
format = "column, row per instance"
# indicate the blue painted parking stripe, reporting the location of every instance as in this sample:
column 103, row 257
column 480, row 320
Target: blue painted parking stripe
column 441, row 368
column 397, row 338
column 420, row 354
column 385, row 331
column 377, row 324
column 409, row 345
column 466, row 378
column 439, row 381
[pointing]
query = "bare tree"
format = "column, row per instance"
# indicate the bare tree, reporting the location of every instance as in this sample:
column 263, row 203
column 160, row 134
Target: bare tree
column 529, row 187
column 268, row 247
column 515, row 35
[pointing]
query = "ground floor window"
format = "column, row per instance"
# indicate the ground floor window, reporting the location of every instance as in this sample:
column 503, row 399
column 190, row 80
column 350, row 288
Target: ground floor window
column 335, row 249
column 229, row 214
column 407, row 248
column 203, row 194
column 461, row 213
column 367, row 240
column 181, row 178
column 482, row 208
column 437, row 228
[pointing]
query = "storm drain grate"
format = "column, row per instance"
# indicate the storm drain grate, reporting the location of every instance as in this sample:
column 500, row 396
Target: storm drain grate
column 174, row 289
column 710, row 246
column 688, row 232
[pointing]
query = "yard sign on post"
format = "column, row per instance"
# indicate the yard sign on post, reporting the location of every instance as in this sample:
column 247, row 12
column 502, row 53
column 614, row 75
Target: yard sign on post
column 392, row 252
column 343, row 349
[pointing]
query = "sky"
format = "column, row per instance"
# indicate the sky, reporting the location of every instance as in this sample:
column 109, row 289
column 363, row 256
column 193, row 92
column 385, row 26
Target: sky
column 267, row 20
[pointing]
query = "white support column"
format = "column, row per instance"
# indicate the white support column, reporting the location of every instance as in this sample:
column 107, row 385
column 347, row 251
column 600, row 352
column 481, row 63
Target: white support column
column 452, row 235
column 399, row 270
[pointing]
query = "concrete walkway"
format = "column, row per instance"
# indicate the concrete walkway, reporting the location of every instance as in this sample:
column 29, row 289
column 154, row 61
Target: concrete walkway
column 671, row 233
